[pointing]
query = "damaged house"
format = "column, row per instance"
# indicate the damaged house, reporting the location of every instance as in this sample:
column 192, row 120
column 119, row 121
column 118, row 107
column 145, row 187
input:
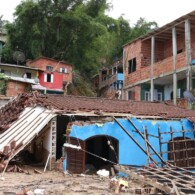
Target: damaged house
column 107, row 132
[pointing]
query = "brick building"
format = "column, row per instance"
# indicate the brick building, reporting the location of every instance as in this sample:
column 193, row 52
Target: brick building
column 159, row 65
column 109, row 81
column 16, row 79
column 54, row 75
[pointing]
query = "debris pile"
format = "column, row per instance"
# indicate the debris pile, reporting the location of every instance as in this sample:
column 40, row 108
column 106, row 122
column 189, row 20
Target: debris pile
column 11, row 111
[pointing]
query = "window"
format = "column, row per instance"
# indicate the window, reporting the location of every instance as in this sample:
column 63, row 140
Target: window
column 131, row 95
column 28, row 75
column 147, row 96
column 132, row 65
column 159, row 96
column 48, row 78
column 63, row 70
column 182, row 152
column 179, row 93
column 49, row 68
column 179, row 51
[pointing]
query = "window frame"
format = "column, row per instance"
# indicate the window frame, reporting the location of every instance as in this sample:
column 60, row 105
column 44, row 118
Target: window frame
column 48, row 78
column 49, row 68
column 132, row 65
column 63, row 70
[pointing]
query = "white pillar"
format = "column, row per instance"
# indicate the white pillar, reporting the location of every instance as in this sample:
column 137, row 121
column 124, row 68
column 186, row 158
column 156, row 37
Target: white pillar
column 188, row 53
column 124, row 72
column 152, row 68
column 174, row 43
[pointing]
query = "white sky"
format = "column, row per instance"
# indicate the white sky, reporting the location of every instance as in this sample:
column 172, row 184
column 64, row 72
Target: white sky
column 161, row 11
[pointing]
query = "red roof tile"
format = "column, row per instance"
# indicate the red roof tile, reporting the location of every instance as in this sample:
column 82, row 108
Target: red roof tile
column 72, row 104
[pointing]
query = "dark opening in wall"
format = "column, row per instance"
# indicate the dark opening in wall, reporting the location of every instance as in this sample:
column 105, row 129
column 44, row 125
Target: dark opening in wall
column 103, row 146
column 132, row 65
column 62, row 122
column 179, row 51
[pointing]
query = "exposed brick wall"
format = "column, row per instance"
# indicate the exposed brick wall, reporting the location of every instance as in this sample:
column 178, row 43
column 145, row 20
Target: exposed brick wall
column 14, row 88
column 193, row 43
column 163, row 58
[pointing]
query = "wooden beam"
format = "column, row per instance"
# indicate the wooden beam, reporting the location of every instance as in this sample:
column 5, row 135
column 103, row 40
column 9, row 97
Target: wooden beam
column 146, row 180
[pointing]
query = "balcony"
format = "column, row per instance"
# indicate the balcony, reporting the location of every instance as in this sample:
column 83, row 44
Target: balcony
column 110, row 80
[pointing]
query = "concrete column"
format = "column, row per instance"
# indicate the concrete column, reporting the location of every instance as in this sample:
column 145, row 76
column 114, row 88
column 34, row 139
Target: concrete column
column 152, row 68
column 188, row 54
column 174, row 43
column 124, row 96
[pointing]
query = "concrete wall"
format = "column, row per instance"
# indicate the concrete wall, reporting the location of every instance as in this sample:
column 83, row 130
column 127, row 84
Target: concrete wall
column 129, row 152
column 18, row 72
column 57, row 81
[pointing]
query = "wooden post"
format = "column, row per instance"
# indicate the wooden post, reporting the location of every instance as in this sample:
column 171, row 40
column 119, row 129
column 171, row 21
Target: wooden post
column 159, row 141
column 147, row 149
column 46, row 163
column 173, row 146
column 147, row 141
column 175, row 188
column 186, row 148
column 135, row 141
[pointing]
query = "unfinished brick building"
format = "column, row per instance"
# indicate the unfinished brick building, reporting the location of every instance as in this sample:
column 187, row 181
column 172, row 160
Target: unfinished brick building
column 159, row 65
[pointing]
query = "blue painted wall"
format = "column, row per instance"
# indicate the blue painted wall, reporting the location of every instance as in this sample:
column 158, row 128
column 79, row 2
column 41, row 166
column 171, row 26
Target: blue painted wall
column 120, row 77
column 129, row 152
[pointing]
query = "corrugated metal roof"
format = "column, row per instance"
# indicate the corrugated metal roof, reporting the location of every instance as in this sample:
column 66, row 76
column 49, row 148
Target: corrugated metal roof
column 25, row 128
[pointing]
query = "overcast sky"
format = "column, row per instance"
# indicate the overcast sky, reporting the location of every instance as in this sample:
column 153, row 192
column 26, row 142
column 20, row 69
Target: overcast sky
column 161, row 11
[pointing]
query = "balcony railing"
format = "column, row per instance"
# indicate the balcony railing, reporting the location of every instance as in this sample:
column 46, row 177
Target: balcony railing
column 111, row 80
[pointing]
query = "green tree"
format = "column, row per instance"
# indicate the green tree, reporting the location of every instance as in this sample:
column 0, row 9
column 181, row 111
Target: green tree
column 77, row 31
column 142, row 27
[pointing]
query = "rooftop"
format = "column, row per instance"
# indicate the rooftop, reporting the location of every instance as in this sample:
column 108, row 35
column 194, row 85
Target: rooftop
column 165, row 32
column 90, row 106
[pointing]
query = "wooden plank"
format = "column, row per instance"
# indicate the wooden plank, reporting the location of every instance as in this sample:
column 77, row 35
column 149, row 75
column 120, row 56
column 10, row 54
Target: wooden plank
column 147, row 149
column 175, row 188
column 185, row 144
column 161, row 172
column 179, row 131
column 144, row 179
column 185, row 185
column 173, row 146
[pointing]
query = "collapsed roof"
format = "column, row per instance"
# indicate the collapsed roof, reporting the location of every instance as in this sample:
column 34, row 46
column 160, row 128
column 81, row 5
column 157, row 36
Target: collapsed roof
column 25, row 116
column 75, row 105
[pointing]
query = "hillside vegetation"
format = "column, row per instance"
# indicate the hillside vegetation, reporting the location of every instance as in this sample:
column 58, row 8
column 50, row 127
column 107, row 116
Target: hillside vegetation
column 76, row 31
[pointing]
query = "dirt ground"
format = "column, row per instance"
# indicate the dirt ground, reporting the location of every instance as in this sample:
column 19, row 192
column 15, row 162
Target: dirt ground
column 54, row 182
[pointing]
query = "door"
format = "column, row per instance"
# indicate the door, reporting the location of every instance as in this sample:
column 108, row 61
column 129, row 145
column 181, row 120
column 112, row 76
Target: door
column 75, row 157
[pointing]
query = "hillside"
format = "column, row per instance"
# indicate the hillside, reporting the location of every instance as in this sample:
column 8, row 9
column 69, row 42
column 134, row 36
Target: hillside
column 81, row 86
